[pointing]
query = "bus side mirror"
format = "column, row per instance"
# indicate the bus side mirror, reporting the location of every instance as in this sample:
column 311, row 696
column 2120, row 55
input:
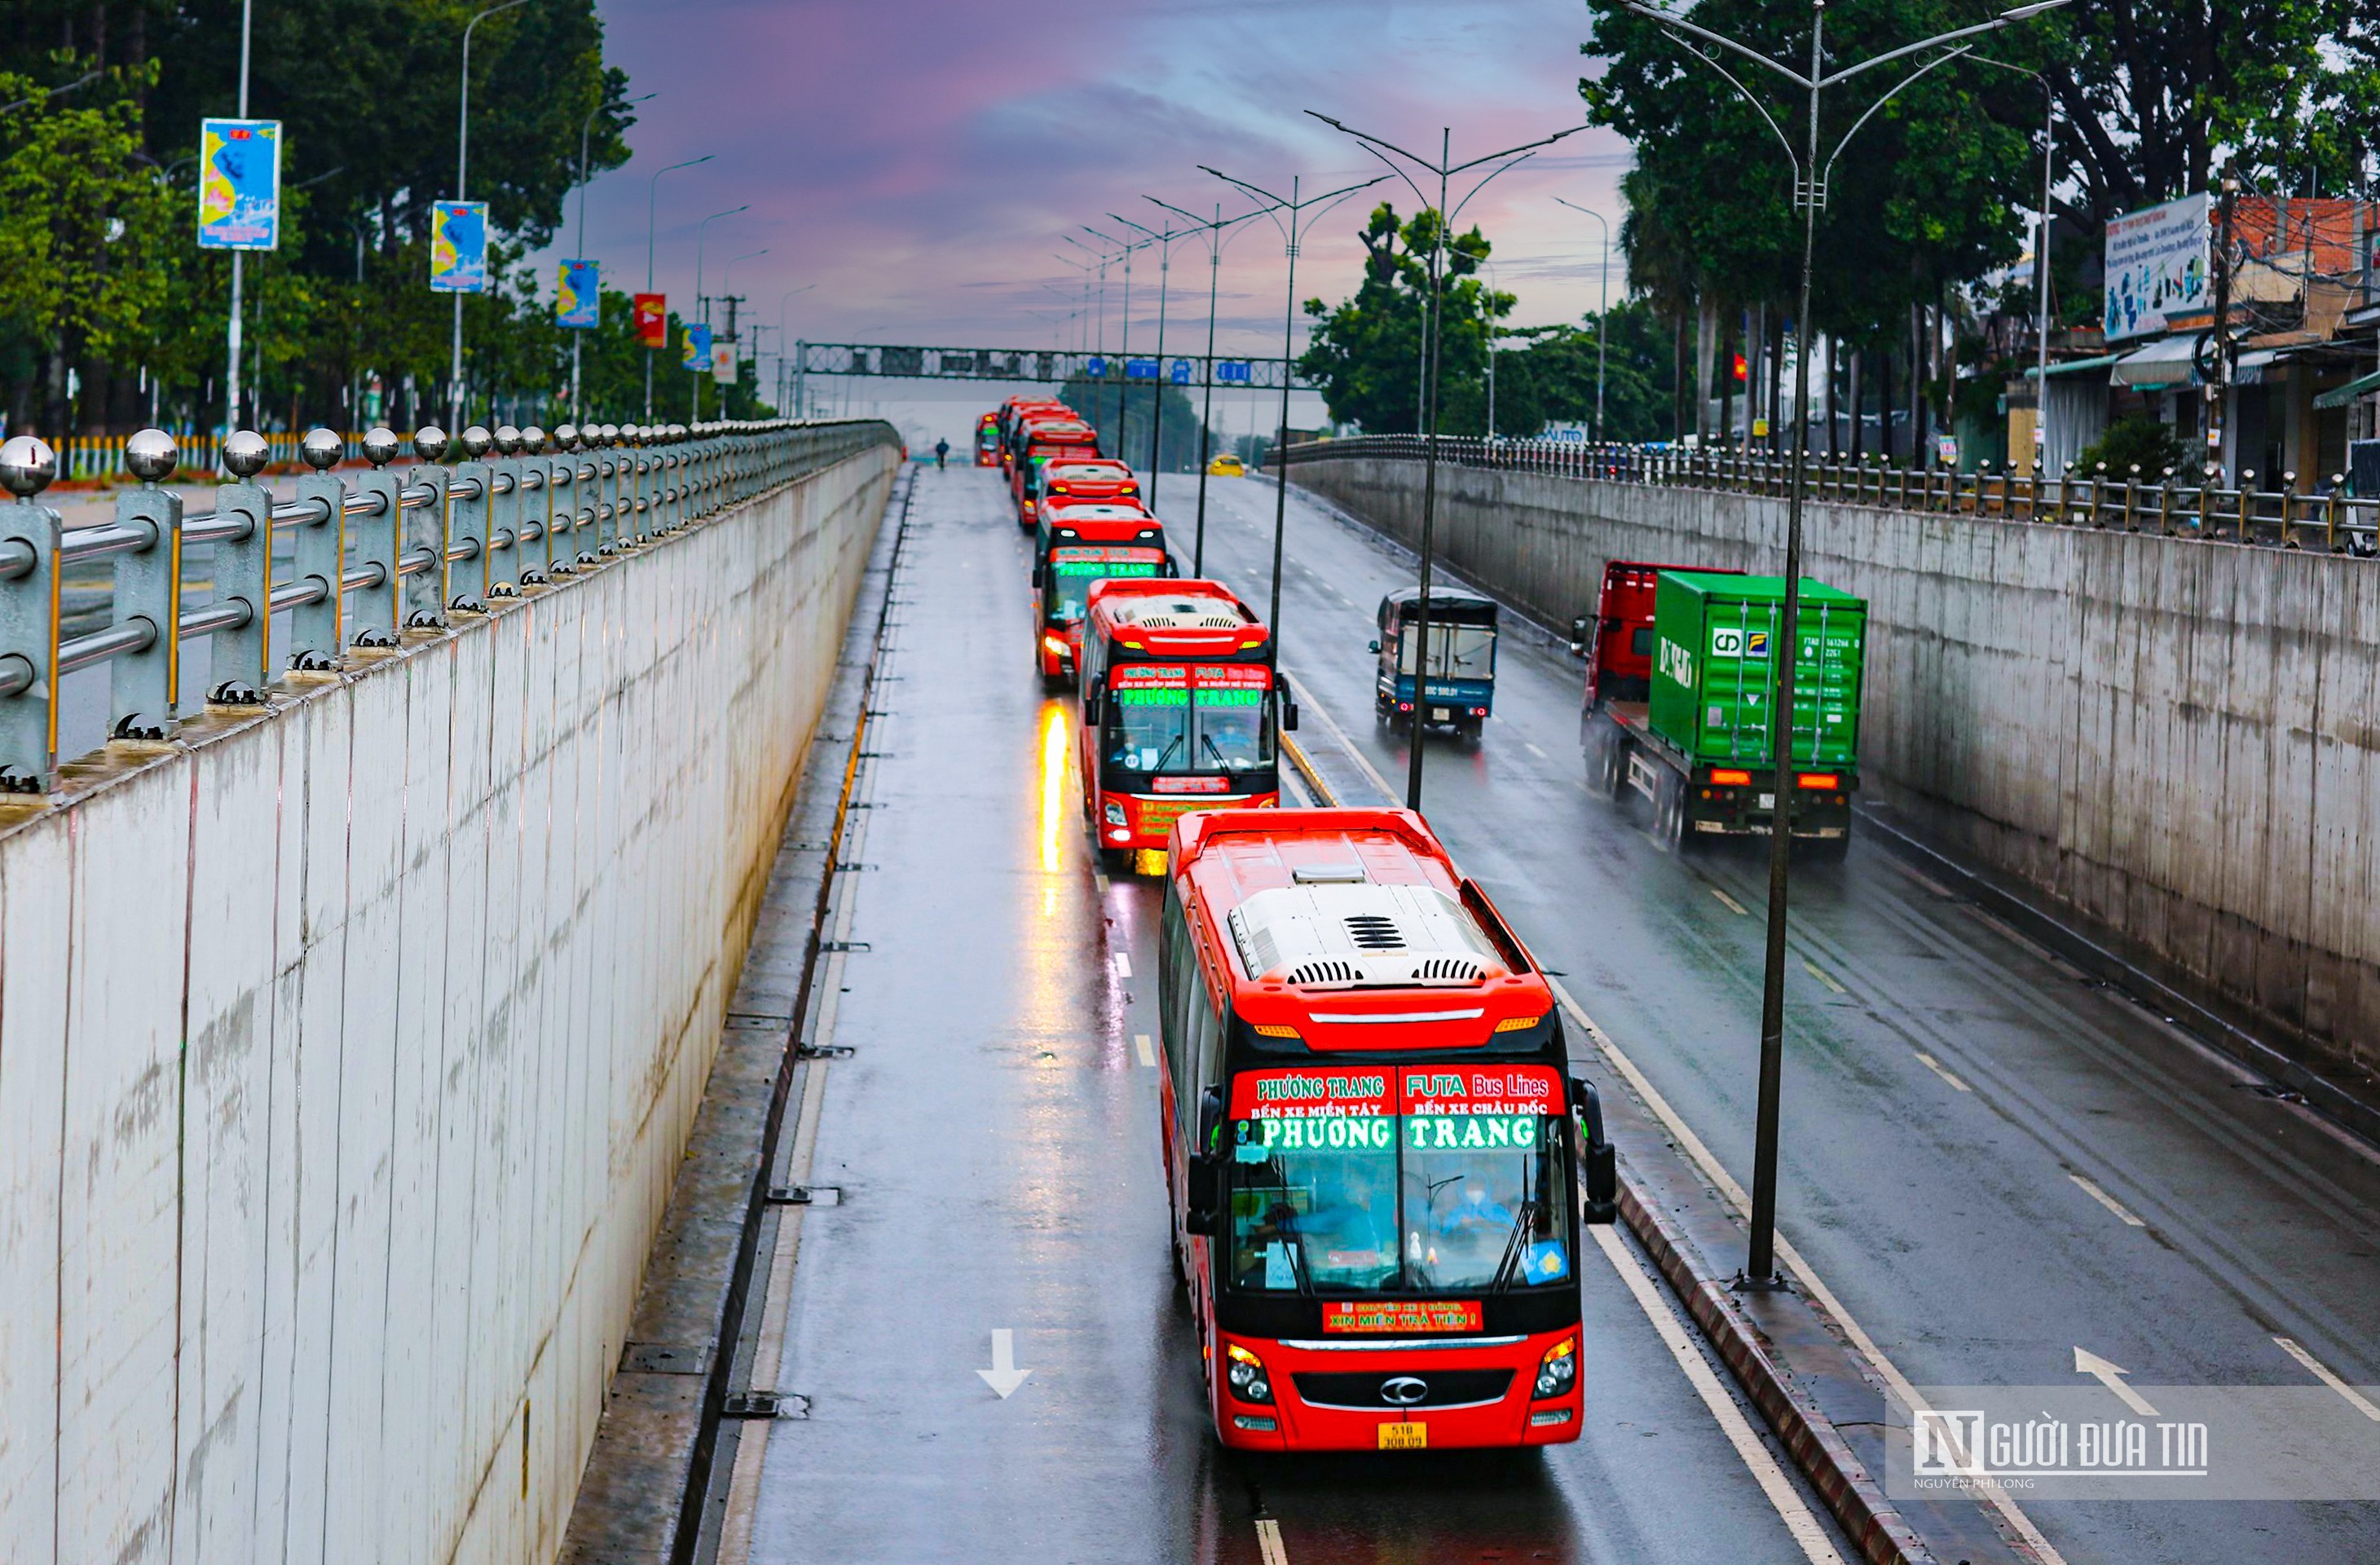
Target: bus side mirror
column 1037, row 574
column 1289, row 717
column 1598, row 1165
column 1203, row 1211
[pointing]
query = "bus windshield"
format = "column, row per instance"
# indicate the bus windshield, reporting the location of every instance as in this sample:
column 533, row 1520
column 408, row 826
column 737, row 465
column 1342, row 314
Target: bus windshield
column 1465, row 1194
column 1456, row 652
column 1188, row 717
column 1074, row 567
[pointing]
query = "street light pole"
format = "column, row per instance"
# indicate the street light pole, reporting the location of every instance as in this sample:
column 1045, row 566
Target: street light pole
column 586, row 127
column 701, row 370
column 1809, row 195
column 1603, row 311
column 1124, row 381
column 1215, row 243
column 232, row 332
column 652, row 197
column 2041, row 256
column 1445, row 168
column 1294, row 204
column 1157, row 413
column 461, row 168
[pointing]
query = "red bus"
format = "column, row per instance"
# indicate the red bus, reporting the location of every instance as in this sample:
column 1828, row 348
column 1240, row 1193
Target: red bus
column 987, row 441
column 1372, row 1151
column 1076, row 547
column 1046, row 438
column 1013, row 414
column 1068, row 476
column 1180, row 713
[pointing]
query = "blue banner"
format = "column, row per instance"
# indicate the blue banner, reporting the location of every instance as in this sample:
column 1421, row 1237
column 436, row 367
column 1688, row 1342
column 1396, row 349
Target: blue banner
column 1232, row 374
column 458, row 246
column 579, row 296
column 1140, row 368
column 239, row 184
column 697, row 346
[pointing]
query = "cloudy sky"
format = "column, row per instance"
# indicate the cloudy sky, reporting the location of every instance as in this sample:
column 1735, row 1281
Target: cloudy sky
column 917, row 161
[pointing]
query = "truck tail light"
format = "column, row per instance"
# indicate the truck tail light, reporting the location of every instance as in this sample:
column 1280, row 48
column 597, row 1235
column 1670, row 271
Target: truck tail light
column 1732, row 776
column 1818, row 782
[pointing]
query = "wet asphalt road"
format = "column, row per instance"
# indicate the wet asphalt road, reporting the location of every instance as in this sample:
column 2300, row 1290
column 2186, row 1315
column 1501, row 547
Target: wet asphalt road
column 1942, row 1203
column 994, row 1133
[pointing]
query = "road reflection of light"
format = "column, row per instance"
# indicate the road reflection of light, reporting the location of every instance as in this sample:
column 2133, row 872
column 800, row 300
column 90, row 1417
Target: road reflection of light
column 1053, row 795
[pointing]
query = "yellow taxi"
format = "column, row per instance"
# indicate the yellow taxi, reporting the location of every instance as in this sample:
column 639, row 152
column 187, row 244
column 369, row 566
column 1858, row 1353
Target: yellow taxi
column 1227, row 466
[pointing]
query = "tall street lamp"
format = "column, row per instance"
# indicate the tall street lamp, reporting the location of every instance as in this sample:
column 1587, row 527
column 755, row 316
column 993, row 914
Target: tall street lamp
column 652, row 196
column 1099, row 339
column 1124, row 353
column 1164, row 243
column 1603, row 312
column 1215, row 242
column 781, row 340
column 1809, row 195
column 2041, row 255
column 1294, row 204
column 586, row 127
column 1446, row 169
column 231, row 332
column 461, row 168
column 699, row 303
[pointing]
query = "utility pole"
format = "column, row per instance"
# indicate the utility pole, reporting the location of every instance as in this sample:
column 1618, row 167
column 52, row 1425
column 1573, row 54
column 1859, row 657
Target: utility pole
column 2220, row 382
column 1215, row 242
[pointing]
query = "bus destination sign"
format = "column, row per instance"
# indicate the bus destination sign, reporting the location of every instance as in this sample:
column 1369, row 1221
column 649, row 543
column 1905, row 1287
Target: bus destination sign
column 1399, row 1316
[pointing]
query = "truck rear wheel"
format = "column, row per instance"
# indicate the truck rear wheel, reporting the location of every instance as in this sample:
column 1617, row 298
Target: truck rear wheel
column 1670, row 825
column 1606, row 759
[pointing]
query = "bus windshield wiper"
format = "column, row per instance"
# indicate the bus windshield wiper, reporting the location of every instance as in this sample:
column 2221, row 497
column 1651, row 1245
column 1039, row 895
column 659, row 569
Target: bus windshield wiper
column 1287, row 1223
column 1221, row 759
column 1503, row 1278
column 1167, row 754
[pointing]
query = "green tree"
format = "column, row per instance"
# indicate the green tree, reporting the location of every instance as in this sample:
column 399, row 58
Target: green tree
column 1552, row 380
column 1365, row 353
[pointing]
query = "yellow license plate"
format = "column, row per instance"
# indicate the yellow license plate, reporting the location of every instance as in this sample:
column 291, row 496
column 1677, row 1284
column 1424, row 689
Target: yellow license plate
column 1404, row 1437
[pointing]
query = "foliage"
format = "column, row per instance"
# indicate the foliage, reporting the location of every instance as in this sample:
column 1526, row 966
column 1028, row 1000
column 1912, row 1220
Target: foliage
column 1123, row 415
column 2136, row 438
column 1366, row 353
column 1553, row 380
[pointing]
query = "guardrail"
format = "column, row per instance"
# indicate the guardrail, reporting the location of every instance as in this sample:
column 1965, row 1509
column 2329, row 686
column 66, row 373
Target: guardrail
column 544, row 507
column 2290, row 517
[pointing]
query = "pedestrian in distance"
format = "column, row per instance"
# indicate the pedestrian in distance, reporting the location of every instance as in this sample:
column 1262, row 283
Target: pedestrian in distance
column 941, row 455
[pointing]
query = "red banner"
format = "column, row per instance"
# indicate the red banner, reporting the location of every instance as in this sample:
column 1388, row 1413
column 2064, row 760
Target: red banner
column 1399, row 1316
column 652, row 319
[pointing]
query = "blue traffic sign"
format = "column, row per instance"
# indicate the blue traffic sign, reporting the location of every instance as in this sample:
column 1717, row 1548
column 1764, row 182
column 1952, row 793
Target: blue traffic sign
column 1140, row 368
column 1232, row 373
column 1180, row 372
column 1096, row 369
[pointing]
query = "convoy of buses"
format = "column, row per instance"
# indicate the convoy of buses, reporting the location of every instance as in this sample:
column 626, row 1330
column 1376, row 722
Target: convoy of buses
column 1375, row 1162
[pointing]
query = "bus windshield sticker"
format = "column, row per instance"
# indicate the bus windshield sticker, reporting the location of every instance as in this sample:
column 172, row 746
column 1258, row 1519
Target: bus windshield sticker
column 1399, row 1316
column 1296, row 1095
column 1474, row 1092
column 1105, row 554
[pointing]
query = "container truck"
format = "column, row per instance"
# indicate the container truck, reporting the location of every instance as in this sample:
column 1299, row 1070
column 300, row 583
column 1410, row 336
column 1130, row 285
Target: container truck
column 1682, row 715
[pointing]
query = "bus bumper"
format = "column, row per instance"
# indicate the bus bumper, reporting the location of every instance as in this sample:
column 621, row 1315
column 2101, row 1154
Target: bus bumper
column 1144, row 822
column 1311, row 1389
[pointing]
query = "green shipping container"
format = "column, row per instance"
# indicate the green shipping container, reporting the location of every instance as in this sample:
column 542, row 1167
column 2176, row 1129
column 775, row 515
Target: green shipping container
column 1715, row 670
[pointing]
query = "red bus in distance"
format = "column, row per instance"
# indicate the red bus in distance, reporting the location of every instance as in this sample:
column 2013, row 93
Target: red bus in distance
column 987, row 441
column 1074, row 548
column 1073, row 477
column 1046, row 438
column 1180, row 713
column 1372, row 1151
column 1013, row 414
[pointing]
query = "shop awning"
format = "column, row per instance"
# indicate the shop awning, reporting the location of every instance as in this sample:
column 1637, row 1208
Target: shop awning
column 2073, row 365
column 2339, row 396
column 2164, row 362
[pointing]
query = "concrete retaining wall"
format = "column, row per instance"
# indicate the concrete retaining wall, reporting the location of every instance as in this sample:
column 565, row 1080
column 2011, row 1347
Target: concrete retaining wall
column 2181, row 740
column 348, row 1051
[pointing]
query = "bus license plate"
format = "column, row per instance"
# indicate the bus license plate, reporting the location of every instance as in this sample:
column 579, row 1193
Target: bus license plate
column 1404, row 1437
column 1438, row 714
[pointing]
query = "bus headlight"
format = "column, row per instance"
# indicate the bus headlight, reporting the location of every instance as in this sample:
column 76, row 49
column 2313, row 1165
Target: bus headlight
column 1558, row 1369
column 1246, row 1374
column 1114, row 813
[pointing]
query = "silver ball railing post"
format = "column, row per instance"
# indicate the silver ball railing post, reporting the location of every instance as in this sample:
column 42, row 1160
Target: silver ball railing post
column 380, row 536
column 145, row 684
column 317, row 626
column 241, row 664
column 30, row 534
column 425, row 532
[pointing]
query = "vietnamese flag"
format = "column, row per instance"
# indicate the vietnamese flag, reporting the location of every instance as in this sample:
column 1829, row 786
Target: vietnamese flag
column 652, row 319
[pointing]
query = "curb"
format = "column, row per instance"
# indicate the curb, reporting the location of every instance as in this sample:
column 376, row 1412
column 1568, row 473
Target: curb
column 1876, row 1528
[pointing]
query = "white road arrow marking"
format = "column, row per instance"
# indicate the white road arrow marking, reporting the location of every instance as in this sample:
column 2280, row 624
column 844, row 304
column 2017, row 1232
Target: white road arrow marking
column 2099, row 1369
column 1004, row 1375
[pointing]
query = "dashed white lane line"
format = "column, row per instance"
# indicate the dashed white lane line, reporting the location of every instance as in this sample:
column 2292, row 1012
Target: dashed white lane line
column 1268, row 1541
column 2121, row 1211
column 2316, row 1367
column 1123, row 965
column 1936, row 1066
column 1726, row 1183
column 1535, row 751
column 1728, row 902
column 1148, row 1055
column 1822, row 976
column 1757, row 1457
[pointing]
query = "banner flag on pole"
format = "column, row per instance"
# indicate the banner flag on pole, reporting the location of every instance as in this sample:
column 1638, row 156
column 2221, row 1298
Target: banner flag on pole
column 579, row 296
column 697, row 346
column 723, row 363
column 458, row 246
column 239, row 184
column 652, row 319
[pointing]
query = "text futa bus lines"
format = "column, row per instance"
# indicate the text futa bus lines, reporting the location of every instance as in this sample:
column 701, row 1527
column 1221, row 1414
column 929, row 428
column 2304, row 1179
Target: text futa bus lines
column 1180, row 711
column 1076, row 547
column 1372, row 1149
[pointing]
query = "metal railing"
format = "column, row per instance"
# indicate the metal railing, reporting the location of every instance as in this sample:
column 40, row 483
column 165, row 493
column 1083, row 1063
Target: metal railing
column 2293, row 517
column 429, row 541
